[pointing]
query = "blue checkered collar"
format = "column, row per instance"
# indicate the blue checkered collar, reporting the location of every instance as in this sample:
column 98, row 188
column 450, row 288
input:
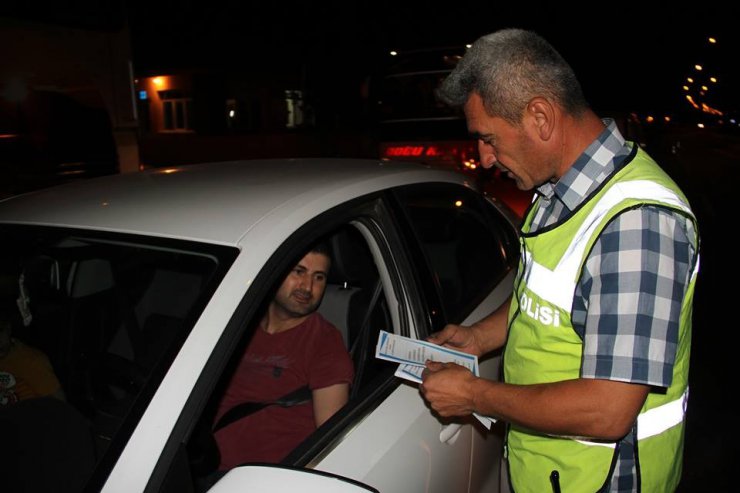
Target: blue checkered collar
column 590, row 169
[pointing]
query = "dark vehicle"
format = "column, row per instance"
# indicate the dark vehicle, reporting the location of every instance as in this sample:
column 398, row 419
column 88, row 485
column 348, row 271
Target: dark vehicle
column 49, row 139
column 410, row 124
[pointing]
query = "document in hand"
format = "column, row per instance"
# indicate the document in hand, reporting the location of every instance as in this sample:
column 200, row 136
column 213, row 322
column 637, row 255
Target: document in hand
column 412, row 354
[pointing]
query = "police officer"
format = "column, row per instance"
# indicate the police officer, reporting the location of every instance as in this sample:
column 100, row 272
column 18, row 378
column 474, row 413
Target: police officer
column 596, row 335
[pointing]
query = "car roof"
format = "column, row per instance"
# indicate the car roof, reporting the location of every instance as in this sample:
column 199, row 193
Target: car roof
column 213, row 202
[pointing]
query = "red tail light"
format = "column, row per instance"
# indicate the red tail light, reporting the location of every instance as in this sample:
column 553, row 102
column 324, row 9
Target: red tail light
column 458, row 154
column 400, row 151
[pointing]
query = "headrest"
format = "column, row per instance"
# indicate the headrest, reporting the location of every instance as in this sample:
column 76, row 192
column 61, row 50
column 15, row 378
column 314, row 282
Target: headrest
column 91, row 276
column 352, row 261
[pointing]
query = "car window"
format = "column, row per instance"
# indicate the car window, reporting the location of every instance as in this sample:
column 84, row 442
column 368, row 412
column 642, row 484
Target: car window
column 465, row 242
column 355, row 302
column 104, row 314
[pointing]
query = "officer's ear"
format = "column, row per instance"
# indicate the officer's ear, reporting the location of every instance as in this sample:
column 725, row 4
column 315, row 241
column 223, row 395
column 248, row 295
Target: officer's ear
column 540, row 113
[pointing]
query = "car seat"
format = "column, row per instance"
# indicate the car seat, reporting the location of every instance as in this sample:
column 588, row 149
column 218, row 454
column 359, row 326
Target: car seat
column 348, row 291
column 353, row 300
column 101, row 373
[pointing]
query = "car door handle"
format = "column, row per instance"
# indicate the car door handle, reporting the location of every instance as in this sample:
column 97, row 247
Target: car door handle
column 450, row 433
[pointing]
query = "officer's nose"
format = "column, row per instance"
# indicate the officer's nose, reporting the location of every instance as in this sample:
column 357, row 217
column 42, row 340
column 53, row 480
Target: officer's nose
column 486, row 154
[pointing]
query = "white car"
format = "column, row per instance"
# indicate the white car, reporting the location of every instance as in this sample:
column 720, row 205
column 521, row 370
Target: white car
column 143, row 288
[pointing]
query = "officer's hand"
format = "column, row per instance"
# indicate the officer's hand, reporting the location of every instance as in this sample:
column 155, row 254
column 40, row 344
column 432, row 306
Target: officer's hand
column 447, row 388
column 457, row 337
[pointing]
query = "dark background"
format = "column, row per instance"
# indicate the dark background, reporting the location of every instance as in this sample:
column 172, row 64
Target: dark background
column 627, row 54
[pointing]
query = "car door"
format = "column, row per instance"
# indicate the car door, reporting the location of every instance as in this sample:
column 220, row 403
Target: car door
column 397, row 445
column 385, row 437
column 470, row 247
column 447, row 258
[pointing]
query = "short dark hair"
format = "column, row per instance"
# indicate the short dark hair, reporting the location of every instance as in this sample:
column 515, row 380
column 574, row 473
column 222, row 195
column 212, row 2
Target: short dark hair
column 321, row 246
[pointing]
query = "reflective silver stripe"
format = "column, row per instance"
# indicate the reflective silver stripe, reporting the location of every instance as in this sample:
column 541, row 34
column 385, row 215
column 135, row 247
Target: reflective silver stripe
column 558, row 286
column 655, row 421
column 634, row 190
column 659, row 419
column 550, row 285
column 598, row 444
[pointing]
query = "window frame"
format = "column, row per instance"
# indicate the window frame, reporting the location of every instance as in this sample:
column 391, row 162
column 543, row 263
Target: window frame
column 176, row 115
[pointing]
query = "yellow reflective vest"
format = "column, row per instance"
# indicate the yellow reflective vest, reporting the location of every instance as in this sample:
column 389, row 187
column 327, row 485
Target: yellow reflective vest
column 543, row 347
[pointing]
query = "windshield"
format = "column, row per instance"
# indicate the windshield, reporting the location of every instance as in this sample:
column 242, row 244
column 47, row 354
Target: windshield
column 411, row 97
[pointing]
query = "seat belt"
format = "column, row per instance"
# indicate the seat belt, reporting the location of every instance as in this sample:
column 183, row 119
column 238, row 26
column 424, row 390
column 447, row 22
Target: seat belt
column 294, row 398
column 362, row 341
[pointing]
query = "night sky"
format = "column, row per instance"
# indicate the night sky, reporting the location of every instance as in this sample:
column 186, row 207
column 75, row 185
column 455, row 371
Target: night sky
column 624, row 53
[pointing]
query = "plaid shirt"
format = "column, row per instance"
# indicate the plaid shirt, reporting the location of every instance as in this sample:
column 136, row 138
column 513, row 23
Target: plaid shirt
column 627, row 302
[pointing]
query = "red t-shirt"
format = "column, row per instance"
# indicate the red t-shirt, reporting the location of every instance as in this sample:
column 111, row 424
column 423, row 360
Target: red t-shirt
column 273, row 365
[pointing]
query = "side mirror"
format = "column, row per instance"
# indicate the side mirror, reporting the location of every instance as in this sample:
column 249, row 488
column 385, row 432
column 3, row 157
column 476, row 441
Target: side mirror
column 276, row 479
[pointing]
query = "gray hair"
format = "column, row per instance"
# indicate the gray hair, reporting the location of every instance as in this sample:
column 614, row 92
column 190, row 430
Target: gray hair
column 507, row 69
